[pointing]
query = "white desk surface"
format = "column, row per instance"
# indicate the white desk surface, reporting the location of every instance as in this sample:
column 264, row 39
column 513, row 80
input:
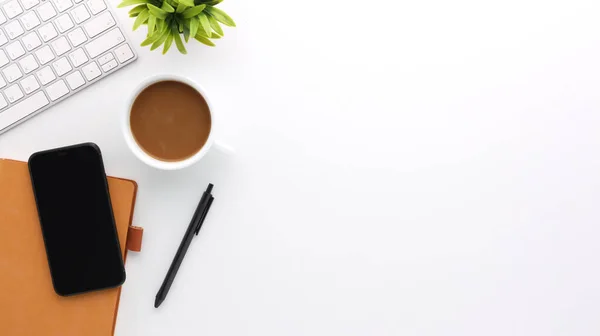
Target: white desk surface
column 402, row 168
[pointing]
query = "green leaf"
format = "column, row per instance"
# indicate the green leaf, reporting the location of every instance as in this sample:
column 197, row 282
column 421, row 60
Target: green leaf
column 194, row 11
column 151, row 24
column 186, row 33
column 209, row 2
column 204, row 40
column 180, row 8
column 126, row 3
column 167, row 8
column 163, row 36
column 215, row 36
column 220, row 16
column 204, row 23
column 215, row 25
column 142, row 17
column 178, row 42
column 189, row 3
column 159, row 13
column 138, row 9
column 194, row 24
column 168, row 42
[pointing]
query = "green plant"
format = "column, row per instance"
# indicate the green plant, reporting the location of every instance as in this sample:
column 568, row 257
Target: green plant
column 168, row 19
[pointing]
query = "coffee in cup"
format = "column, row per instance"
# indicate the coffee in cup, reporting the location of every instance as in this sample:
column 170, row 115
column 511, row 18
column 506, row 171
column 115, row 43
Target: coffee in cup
column 169, row 122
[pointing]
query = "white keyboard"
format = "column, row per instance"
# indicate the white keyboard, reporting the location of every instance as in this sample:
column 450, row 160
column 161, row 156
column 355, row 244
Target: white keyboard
column 52, row 49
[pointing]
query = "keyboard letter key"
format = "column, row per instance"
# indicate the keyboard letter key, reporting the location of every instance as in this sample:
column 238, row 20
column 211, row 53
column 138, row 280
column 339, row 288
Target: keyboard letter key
column 61, row 46
column 3, row 59
column 14, row 29
column 75, row 80
column 15, row 50
column 96, row 6
column 80, row 14
column 77, row 37
column 13, row 9
column 28, row 4
column 3, row 38
column 31, row 41
column 29, row 84
column 44, row 55
column 28, row 64
column 23, row 109
column 46, row 11
column 48, row 32
column 64, row 23
column 46, row 75
column 13, row 93
column 78, row 57
column 62, row 66
column 57, row 90
column 30, row 20
column 62, row 5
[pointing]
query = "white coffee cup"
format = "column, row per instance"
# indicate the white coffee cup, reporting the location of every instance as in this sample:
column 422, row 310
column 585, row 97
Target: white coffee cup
column 140, row 153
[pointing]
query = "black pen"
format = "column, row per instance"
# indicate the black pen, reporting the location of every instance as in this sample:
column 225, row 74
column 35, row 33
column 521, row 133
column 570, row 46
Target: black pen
column 193, row 228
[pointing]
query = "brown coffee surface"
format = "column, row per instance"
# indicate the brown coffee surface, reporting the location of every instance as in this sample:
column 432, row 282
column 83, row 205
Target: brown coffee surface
column 170, row 121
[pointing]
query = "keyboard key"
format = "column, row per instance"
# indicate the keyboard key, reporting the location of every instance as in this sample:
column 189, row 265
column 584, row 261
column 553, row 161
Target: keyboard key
column 77, row 36
column 91, row 71
column 99, row 24
column 64, row 23
column 28, row 4
column 44, row 55
column 30, row 20
column 2, row 82
column 105, row 58
column 109, row 66
column 23, row 109
column 46, row 75
column 14, row 29
column 62, row 5
column 46, row 11
column 12, row 73
column 62, row 66
column 78, row 1
column 3, row 102
column 124, row 53
column 29, row 84
column 13, row 93
column 96, row 6
column 78, row 57
column 48, row 32
column 15, row 50
column 12, row 9
column 60, row 46
column 28, row 64
column 3, row 59
column 3, row 38
column 57, row 90
column 2, row 18
column 31, row 41
column 105, row 42
column 80, row 14
column 75, row 80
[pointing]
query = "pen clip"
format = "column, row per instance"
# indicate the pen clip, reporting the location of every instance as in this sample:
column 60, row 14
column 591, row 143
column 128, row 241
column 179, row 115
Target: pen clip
column 204, row 213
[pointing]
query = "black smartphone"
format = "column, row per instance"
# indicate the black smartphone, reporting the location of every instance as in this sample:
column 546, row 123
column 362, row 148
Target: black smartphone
column 78, row 225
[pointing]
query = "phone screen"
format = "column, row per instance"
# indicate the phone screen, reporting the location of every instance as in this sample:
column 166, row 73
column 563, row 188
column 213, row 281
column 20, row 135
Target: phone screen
column 77, row 221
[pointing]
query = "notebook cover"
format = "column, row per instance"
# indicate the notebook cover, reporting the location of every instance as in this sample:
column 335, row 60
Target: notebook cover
column 28, row 304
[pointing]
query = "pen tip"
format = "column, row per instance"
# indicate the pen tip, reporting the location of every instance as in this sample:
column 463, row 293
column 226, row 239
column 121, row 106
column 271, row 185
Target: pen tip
column 158, row 301
column 209, row 189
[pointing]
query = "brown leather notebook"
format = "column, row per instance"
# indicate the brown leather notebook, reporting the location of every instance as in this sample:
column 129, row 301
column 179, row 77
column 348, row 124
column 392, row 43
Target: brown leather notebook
column 28, row 304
